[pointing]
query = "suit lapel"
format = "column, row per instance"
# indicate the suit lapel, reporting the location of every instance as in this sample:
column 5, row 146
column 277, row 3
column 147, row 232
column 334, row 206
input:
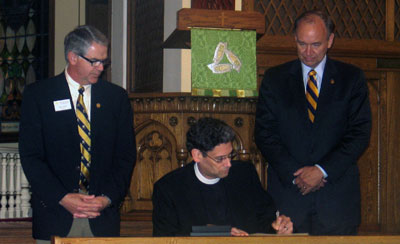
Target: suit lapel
column 95, row 107
column 296, row 86
column 61, row 92
column 327, row 90
column 97, row 118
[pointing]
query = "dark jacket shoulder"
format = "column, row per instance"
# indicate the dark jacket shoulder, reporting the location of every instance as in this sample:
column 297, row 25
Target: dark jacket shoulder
column 176, row 175
column 283, row 69
column 111, row 87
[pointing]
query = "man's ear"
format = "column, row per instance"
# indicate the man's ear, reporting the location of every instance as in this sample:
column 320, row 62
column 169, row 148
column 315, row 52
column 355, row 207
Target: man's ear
column 197, row 155
column 330, row 40
column 72, row 58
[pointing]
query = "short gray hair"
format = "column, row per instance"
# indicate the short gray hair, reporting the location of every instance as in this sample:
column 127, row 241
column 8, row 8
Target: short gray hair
column 81, row 38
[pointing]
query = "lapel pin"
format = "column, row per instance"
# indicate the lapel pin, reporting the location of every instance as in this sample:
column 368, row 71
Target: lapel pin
column 332, row 81
column 98, row 105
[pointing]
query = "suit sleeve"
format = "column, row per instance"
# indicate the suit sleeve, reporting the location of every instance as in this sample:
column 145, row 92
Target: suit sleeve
column 44, row 183
column 165, row 221
column 124, row 155
column 267, row 135
column 357, row 132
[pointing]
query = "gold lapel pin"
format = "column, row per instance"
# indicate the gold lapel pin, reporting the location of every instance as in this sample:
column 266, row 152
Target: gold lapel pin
column 332, row 81
column 98, row 105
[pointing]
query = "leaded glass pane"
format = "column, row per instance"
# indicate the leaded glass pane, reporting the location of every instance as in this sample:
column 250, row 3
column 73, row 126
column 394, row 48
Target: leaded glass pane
column 23, row 54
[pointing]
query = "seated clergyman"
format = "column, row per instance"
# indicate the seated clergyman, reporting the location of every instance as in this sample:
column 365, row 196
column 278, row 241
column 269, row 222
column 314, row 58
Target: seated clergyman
column 213, row 190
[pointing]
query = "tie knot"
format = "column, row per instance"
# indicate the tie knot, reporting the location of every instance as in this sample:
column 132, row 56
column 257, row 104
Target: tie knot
column 312, row 73
column 81, row 90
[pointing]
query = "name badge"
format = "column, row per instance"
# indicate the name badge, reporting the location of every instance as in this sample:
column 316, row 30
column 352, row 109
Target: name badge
column 62, row 105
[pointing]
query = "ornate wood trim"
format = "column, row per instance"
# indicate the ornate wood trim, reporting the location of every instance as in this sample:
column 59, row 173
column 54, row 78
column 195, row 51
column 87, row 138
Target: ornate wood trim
column 341, row 47
column 184, row 103
column 188, row 18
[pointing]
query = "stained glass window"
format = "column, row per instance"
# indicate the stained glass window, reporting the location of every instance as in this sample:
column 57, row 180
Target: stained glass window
column 23, row 55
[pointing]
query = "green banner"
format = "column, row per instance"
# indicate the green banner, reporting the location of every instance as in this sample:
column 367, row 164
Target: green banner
column 223, row 63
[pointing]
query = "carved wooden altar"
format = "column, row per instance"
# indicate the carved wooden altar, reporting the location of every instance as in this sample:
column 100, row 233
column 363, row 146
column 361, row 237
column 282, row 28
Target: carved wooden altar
column 161, row 122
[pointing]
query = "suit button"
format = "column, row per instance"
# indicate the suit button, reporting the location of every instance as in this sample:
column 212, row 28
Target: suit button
column 78, row 168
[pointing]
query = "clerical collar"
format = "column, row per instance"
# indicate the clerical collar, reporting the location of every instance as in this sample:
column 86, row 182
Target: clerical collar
column 202, row 178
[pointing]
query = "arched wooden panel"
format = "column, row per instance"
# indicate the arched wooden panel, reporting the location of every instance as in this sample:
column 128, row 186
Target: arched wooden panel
column 156, row 156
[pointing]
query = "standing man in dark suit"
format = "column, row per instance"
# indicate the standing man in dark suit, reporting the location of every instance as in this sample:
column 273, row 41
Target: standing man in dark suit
column 313, row 122
column 77, row 144
column 213, row 189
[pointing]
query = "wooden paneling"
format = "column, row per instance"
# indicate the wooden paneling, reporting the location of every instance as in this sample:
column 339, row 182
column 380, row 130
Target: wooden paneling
column 156, row 157
column 161, row 122
column 98, row 14
column 354, row 19
column 269, row 239
column 391, row 178
column 188, row 18
column 21, row 231
column 370, row 163
column 16, row 232
column 214, row 4
column 145, row 40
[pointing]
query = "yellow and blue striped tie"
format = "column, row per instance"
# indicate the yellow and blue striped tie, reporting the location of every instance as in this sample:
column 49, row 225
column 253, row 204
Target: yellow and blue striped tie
column 312, row 94
column 85, row 144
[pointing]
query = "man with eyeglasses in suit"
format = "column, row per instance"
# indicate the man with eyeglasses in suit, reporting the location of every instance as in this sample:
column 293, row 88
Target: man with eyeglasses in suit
column 214, row 189
column 78, row 181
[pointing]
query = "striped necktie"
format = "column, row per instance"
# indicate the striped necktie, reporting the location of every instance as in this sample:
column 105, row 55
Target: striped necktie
column 84, row 133
column 312, row 94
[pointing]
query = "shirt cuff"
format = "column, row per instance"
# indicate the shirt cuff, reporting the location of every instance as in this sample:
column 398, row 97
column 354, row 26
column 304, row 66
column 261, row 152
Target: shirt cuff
column 322, row 170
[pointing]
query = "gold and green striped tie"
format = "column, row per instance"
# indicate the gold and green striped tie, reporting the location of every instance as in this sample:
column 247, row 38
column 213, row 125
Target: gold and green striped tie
column 85, row 144
column 312, row 95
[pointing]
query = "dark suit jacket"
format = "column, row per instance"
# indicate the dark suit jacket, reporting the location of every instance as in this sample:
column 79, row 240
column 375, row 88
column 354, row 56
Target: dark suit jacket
column 339, row 135
column 50, row 154
column 177, row 203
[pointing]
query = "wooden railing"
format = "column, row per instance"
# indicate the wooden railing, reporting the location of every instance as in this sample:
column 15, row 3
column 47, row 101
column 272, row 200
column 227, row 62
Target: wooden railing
column 14, row 187
column 272, row 239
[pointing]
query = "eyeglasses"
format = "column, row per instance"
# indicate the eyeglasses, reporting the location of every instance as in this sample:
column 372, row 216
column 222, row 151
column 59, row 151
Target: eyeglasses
column 220, row 159
column 95, row 62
